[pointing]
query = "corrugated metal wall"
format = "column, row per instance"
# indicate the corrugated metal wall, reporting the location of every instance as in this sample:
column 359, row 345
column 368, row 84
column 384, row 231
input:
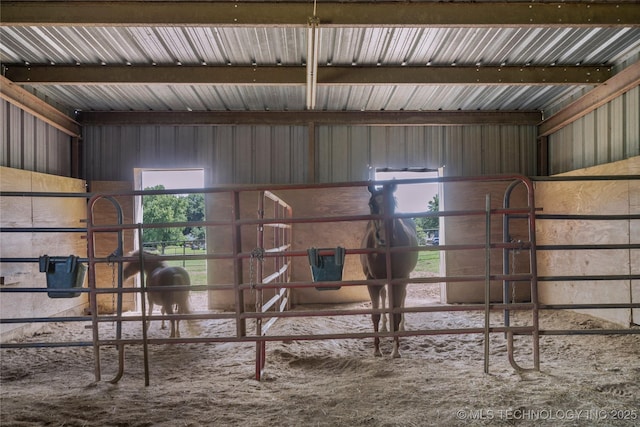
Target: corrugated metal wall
column 279, row 154
column 346, row 152
column 31, row 144
column 608, row 134
column 234, row 154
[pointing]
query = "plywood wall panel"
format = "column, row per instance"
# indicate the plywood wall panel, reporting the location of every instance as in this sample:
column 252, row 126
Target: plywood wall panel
column 589, row 197
column 26, row 212
column 328, row 202
column 305, row 203
column 4, row 135
column 467, row 229
column 634, row 238
column 106, row 243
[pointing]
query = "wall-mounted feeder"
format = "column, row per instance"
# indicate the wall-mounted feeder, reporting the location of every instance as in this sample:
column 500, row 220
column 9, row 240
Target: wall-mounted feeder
column 63, row 273
column 326, row 267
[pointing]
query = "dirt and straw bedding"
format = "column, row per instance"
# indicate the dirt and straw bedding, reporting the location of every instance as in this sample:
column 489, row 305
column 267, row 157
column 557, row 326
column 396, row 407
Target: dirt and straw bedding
column 439, row 381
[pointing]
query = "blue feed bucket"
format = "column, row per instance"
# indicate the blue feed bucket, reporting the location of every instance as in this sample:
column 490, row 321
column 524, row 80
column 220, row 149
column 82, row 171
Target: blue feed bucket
column 326, row 268
column 63, row 273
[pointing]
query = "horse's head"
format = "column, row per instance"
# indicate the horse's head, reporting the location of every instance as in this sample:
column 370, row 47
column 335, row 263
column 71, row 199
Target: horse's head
column 381, row 205
column 133, row 267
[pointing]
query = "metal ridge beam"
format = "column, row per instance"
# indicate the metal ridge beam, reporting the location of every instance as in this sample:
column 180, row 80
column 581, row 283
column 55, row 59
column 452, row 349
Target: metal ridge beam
column 622, row 82
column 30, row 103
column 292, row 75
column 330, row 13
column 303, row 118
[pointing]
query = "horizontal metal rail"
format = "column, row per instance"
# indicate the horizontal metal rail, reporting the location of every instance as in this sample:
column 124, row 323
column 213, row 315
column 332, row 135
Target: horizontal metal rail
column 49, row 344
column 318, row 337
column 43, row 230
column 281, row 251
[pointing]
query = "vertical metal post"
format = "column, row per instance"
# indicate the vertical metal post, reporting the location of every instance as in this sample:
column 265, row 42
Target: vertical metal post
column 387, row 199
column 119, row 297
column 506, row 252
column 143, row 306
column 487, row 281
column 260, row 345
column 288, row 238
column 535, row 334
column 534, row 276
column 93, row 297
column 241, row 324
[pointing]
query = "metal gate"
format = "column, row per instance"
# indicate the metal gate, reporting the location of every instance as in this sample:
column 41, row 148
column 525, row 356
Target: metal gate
column 275, row 214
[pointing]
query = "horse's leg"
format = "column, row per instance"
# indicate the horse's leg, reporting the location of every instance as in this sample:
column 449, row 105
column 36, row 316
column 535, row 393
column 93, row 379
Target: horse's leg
column 163, row 312
column 184, row 308
column 374, row 293
column 177, row 321
column 383, row 304
column 169, row 309
column 403, row 295
column 150, row 310
column 399, row 294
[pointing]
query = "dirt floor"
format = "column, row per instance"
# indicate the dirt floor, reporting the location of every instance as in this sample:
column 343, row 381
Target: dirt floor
column 439, row 380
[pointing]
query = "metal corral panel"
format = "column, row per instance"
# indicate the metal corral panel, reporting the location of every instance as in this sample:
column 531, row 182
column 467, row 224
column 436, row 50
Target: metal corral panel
column 30, row 144
column 231, row 154
column 608, row 134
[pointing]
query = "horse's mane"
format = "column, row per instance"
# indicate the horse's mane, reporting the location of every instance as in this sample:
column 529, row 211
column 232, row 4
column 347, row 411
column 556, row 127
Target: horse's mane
column 149, row 257
column 377, row 192
column 145, row 253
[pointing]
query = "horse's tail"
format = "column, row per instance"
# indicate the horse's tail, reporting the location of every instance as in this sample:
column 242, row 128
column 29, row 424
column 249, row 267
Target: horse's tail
column 181, row 298
column 184, row 306
column 192, row 325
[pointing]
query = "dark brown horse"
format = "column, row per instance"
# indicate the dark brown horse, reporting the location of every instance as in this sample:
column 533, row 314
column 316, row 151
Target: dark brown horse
column 396, row 232
column 159, row 274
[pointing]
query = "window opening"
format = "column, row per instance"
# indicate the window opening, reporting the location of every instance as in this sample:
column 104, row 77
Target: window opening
column 176, row 207
column 416, row 198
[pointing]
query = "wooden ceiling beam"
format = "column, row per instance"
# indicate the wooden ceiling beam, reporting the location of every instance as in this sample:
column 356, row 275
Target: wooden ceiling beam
column 303, row 118
column 330, row 13
column 30, row 103
column 290, row 75
column 622, row 82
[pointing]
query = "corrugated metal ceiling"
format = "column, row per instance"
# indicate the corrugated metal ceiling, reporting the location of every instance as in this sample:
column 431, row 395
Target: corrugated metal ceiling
column 338, row 46
column 272, row 46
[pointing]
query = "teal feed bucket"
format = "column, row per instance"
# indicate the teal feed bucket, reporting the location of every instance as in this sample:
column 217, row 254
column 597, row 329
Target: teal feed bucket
column 326, row 268
column 63, row 273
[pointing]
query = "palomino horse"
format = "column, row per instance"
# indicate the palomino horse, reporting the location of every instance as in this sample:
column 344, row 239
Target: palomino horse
column 398, row 232
column 159, row 274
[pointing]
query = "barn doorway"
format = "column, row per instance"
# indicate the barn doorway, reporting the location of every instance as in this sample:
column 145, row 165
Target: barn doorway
column 187, row 206
column 417, row 198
